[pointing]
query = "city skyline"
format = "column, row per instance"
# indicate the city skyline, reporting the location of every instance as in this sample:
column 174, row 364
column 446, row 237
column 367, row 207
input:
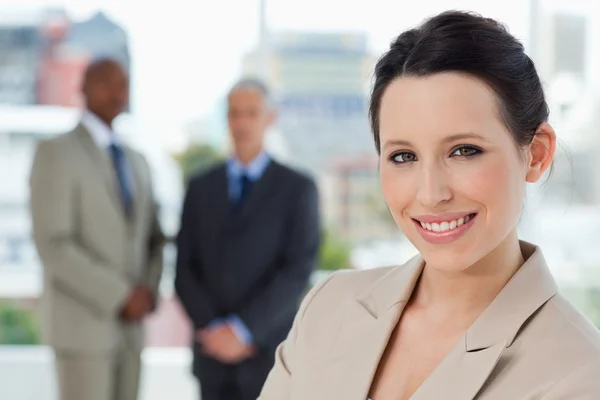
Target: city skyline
column 179, row 72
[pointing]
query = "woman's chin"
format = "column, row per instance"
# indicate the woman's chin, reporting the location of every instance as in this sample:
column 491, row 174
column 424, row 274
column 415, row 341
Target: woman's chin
column 446, row 258
column 443, row 265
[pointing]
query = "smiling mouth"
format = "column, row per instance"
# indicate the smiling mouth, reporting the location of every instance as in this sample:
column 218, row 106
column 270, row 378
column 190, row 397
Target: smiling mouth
column 445, row 226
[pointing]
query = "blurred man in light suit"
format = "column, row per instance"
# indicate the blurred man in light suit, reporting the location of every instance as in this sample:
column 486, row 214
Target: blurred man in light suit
column 96, row 230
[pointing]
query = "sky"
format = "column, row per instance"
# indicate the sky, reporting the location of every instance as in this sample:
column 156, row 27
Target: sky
column 187, row 53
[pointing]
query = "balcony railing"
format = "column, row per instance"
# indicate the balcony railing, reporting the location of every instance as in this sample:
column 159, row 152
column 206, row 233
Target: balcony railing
column 27, row 373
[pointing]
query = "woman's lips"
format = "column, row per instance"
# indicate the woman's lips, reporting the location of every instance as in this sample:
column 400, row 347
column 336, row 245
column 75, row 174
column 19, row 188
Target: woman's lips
column 441, row 229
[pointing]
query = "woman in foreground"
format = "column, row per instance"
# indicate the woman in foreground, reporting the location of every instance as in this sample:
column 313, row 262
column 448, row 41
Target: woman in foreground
column 460, row 124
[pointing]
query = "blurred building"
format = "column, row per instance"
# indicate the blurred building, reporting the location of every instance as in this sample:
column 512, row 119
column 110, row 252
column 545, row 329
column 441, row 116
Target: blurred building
column 101, row 36
column 61, row 68
column 67, row 48
column 565, row 50
column 357, row 211
column 320, row 83
column 20, row 128
column 19, row 57
column 43, row 54
column 562, row 49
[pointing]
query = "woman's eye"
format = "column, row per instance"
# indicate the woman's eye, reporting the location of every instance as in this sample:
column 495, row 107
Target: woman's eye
column 465, row 151
column 403, row 157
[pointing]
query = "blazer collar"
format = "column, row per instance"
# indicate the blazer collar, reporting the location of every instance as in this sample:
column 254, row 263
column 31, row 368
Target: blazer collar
column 104, row 166
column 392, row 288
column 530, row 287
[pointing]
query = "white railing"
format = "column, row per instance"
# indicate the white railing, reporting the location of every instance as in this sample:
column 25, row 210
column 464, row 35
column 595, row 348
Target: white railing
column 26, row 282
column 27, row 373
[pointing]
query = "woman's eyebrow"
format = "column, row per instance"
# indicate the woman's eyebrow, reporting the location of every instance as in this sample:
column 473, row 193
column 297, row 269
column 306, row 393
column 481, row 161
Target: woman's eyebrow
column 464, row 136
column 452, row 138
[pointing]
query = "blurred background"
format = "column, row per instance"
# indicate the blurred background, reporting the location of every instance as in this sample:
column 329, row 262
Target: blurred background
column 317, row 56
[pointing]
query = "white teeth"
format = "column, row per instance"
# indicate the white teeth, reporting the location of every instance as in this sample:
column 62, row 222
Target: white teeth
column 446, row 225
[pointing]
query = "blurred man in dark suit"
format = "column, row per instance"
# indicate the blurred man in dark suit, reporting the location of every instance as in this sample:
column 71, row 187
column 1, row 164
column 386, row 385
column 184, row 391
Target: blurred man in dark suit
column 248, row 243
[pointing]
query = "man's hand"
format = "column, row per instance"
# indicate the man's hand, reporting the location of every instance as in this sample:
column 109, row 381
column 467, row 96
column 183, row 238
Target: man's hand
column 222, row 344
column 138, row 304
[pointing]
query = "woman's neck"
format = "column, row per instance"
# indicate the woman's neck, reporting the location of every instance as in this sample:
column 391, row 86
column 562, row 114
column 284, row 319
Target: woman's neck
column 470, row 291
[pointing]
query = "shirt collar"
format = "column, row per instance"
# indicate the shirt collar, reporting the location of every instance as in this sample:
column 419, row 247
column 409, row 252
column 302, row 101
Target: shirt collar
column 254, row 169
column 102, row 134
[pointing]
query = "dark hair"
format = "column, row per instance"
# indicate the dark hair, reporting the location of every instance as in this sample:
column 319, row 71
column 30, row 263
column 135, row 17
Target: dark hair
column 98, row 63
column 456, row 41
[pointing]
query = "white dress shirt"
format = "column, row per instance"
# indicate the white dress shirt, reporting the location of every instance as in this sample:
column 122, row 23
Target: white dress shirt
column 104, row 136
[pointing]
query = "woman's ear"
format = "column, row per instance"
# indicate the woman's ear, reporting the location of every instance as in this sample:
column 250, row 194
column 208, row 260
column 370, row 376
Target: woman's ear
column 540, row 152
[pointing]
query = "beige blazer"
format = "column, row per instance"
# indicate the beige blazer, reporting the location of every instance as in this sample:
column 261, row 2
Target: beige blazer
column 529, row 344
column 92, row 254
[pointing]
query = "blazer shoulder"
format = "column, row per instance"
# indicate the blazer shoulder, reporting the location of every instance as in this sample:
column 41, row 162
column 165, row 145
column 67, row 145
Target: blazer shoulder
column 563, row 343
column 357, row 281
column 61, row 137
column 295, row 175
column 56, row 144
column 330, row 304
column 581, row 382
column 343, row 285
column 574, row 326
column 208, row 175
column 135, row 151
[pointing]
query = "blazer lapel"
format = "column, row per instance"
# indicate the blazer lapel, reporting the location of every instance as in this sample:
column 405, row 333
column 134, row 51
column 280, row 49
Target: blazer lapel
column 103, row 165
column 461, row 375
column 140, row 185
column 370, row 320
column 258, row 195
column 464, row 372
column 529, row 289
column 219, row 205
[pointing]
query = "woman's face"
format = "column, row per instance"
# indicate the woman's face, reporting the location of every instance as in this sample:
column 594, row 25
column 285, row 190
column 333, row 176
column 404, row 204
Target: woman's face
column 451, row 173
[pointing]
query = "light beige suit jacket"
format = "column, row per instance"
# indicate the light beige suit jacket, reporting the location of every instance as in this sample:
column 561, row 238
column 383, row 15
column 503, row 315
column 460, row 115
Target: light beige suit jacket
column 529, row 344
column 93, row 255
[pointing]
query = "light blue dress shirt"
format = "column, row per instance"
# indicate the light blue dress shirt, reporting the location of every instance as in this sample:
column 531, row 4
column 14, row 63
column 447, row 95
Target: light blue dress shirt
column 254, row 171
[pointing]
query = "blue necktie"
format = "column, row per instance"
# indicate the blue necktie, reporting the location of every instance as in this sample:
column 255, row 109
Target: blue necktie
column 119, row 163
column 245, row 187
